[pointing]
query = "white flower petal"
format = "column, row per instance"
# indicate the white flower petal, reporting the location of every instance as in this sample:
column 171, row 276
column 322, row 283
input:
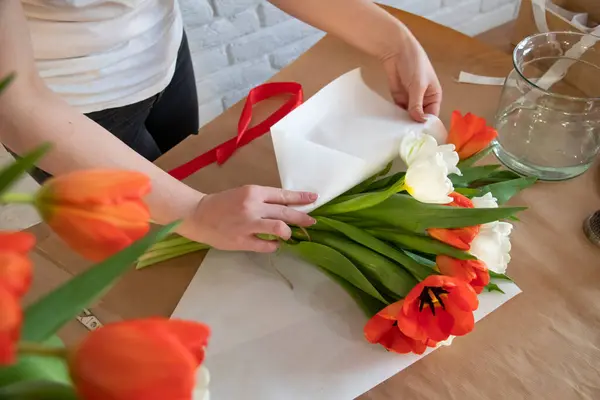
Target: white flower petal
column 427, row 180
column 202, row 380
column 485, row 201
column 450, row 158
column 416, row 145
column 492, row 246
column 446, row 342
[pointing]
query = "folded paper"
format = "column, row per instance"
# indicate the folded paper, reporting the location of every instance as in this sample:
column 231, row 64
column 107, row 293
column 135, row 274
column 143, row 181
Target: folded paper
column 341, row 136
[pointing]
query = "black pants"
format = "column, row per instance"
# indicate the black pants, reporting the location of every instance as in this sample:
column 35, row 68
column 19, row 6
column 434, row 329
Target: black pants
column 155, row 125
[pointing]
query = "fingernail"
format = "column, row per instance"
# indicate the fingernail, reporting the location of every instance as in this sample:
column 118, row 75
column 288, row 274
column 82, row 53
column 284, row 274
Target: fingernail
column 312, row 221
column 313, row 196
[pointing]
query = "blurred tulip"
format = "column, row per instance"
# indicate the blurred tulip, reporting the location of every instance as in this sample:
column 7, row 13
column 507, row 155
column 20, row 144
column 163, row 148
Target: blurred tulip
column 11, row 318
column 99, row 212
column 148, row 359
column 438, row 307
column 474, row 272
column 469, row 134
column 383, row 328
column 15, row 267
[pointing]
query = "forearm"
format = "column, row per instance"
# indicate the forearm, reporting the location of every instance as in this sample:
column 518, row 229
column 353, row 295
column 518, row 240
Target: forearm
column 30, row 117
column 360, row 23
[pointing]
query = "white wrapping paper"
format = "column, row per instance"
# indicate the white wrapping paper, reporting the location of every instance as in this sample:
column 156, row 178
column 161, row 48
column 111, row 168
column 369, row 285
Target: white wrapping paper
column 341, row 136
column 281, row 330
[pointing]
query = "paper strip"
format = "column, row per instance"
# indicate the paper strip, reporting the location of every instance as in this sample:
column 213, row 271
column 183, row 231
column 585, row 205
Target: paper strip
column 539, row 15
column 466, row 77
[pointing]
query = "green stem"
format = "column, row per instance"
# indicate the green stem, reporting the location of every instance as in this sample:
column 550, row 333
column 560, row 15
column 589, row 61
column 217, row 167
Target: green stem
column 170, row 242
column 38, row 349
column 168, row 254
column 23, row 198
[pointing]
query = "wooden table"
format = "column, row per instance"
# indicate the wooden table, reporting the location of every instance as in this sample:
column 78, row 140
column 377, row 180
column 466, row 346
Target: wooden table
column 544, row 344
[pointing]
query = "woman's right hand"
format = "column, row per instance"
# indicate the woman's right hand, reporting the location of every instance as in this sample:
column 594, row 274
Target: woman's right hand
column 230, row 220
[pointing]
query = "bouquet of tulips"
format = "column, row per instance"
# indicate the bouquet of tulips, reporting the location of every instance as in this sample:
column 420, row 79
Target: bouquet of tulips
column 414, row 248
column 101, row 215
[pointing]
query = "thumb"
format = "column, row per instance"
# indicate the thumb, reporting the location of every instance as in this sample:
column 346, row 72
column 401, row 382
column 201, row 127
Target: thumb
column 415, row 102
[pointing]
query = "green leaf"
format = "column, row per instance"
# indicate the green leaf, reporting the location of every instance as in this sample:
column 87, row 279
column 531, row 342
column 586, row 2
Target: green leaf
column 381, row 271
column 492, row 287
column 335, row 263
column 47, row 315
column 366, row 239
column 420, row 259
column 468, row 162
column 495, row 275
column 472, row 174
column 37, row 390
column 30, row 367
column 424, row 244
column 11, row 173
column 363, row 186
column 356, row 202
column 367, row 304
column 495, row 177
column 504, row 191
column 386, row 182
column 403, row 211
column 7, row 80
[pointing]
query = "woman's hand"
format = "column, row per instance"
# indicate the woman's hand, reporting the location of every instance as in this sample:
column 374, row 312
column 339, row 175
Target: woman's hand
column 230, row 220
column 413, row 82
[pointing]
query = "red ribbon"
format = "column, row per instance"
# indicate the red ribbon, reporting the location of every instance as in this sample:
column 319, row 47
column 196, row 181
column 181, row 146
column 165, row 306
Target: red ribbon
column 222, row 152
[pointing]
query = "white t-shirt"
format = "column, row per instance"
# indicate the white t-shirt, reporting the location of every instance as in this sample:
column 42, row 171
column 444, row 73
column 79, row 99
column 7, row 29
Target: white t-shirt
column 100, row 54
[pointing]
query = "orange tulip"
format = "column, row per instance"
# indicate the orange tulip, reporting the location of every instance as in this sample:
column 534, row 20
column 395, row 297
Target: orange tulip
column 149, row 359
column 474, row 272
column 383, row 328
column 11, row 317
column 97, row 212
column 438, row 307
column 469, row 134
column 460, row 238
column 15, row 267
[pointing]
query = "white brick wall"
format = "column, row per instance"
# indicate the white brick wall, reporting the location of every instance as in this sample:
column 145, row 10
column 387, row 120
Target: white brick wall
column 237, row 44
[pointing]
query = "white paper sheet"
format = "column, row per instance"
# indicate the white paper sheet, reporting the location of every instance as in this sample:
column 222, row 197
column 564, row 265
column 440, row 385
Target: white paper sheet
column 272, row 342
column 341, row 136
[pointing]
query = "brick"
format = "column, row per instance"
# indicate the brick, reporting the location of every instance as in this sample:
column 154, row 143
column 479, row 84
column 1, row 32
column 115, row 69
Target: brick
column 230, row 7
column 282, row 57
column 196, row 12
column 454, row 16
column 232, row 78
column 223, row 30
column 487, row 21
column 208, row 61
column 270, row 15
column 265, row 40
column 233, row 97
column 422, row 7
column 489, row 5
column 209, row 111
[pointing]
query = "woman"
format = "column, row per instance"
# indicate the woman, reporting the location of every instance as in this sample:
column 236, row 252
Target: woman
column 110, row 83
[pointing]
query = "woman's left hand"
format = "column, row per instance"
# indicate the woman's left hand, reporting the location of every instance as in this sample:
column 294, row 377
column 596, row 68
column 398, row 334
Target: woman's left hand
column 412, row 79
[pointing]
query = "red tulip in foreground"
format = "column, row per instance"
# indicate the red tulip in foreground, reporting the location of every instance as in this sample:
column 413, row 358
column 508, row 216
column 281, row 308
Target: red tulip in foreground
column 383, row 329
column 469, row 134
column 150, row 359
column 438, row 307
column 99, row 212
column 460, row 238
column 15, row 279
column 474, row 272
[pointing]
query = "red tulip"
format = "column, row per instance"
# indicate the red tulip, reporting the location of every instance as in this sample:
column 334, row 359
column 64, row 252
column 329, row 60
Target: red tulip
column 11, row 318
column 99, row 212
column 15, row 267
column 438, row 307
column 460, row 238
column 149, row 359
column 474, row 272
column 383, row 328
column 469, row 134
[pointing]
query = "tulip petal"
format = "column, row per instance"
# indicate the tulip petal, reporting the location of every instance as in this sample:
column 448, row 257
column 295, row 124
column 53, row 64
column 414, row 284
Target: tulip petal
column 478, row 142
column 456, row 268
column 408, row 323
column 459, row 200
column 392, row 311
column 123, row 362
column 376, row 328
column 11, row 318
column 192, row 335
column 18, row 242
column 96, row 187
column 437, row 327
column 15, row 273
column 394, row 340
column 455, row 237
column 100, row 231
column 464, row 297
column 464, row 321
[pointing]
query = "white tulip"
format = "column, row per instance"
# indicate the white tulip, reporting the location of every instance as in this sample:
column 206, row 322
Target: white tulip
column 485, row 201
column 427, row 180
column 416, row 145
column 450, row 158
column 492, row 245
column 202, row 380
